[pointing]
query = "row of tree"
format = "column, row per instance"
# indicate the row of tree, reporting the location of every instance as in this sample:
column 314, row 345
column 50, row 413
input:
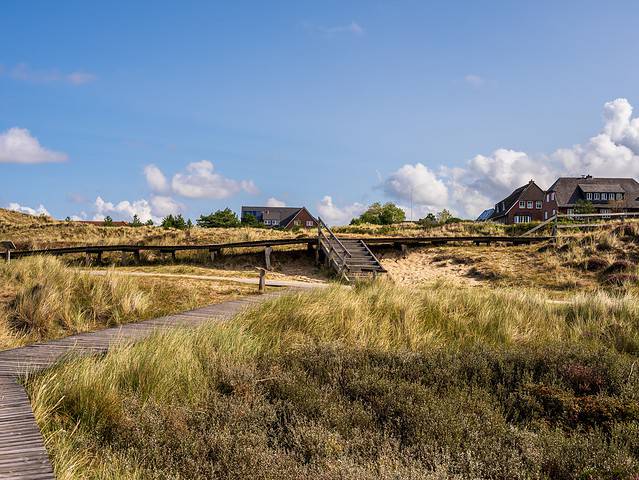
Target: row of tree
column 389, row 213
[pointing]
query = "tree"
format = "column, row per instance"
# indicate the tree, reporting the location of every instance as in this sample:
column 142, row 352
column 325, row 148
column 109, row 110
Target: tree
column 444, row 216
column 136, row 221
column 149, row 223
column 379, row 214
column 584, row 206
column 220, row 219
column 108, row 221
column 68, row 219
column 176, row 221
column 249, row 220
column 428, row 221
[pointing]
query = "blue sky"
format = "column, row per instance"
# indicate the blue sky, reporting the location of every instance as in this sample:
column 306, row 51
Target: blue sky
column 448, row 103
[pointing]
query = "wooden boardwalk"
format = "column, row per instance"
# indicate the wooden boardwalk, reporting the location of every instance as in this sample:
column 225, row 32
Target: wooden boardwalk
column 22, row 452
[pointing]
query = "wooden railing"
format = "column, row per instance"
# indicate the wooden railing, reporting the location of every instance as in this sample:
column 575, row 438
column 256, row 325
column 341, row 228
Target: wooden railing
column 333, row 254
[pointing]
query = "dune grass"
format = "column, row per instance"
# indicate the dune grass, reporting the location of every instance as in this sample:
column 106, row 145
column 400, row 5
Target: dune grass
column 42, row 298
column 370, row 382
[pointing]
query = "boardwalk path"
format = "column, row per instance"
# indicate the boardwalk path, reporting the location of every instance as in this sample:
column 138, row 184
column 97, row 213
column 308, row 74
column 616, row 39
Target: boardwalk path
column 22, row 452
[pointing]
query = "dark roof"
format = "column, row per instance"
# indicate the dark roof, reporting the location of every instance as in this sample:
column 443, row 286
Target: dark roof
column 568, row 190
column 509, row 201
column 485, row 215
column 591, row 187
column 284, row 215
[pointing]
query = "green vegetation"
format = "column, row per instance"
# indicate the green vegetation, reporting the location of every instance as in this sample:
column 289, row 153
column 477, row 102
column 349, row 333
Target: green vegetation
column 136, row 221
column 108, row 221
column 584, row 206
column 41, row 299
column 176, row 221
column 371, row 382
column 220, row 219
column 378, row 214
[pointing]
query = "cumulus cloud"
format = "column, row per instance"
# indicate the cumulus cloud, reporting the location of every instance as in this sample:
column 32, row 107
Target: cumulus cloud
column 417, row 183
column 274, row 202
column 334, row 215
column 40, row 210
column 199, row 180
column 155, row 178
column 154, row 209
column 485, row 179
column 17, row 145
column 22, row 72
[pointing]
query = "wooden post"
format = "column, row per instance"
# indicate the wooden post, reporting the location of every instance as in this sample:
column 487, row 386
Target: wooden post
column 99, row 259
column 136, row 257
column 262, row 284
column 8, row 256
column 123, row 257
column 87, row 258
column 212, row 254
column 404, row 248
column 173, row 257
column 267, row 257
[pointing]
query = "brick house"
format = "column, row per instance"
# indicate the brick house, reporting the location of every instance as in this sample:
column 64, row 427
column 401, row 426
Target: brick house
column 523, row 205
column 282, row 217
column 607, row 195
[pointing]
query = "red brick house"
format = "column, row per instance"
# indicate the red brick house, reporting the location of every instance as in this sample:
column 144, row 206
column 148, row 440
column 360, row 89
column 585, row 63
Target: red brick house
column 282, row 217
column 523, row 205
column 607, row 195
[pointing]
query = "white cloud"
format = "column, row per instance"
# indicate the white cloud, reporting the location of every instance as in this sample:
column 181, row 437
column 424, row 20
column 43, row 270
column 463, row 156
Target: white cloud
column 201, row 181
column 28, row 210
column 17, row 145
column 158, row 207
column 274, row 202
column 474, row 80
column 485, row 179
column 419, row 183
column 22, row 72
column 155, row 178
column 163, row 206
column 334, row 215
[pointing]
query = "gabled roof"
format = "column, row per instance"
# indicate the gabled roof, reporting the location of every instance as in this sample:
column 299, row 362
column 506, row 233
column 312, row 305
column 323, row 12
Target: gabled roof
column 568, row 190
column 512, row 199
column 292, row 218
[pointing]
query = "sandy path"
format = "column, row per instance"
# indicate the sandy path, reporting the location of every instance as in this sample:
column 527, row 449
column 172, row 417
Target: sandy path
column 245, row 280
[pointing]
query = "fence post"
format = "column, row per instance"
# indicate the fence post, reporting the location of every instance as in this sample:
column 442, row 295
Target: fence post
column 262, row 283
column 267, row 256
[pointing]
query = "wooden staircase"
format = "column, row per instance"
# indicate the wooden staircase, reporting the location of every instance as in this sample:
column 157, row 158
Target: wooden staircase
column 350, row 259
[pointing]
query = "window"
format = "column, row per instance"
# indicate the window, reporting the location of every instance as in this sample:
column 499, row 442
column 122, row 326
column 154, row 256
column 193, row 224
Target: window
column 570, row 211
column 310, row 223
column 604, row 196
column 619, row 196
column 552, row 196
column 605, row 211
column 267, row 222
column 529, row 204
column 275, row 222
column 588, row 196
column 545, row 215
column 297, row 223
column 538, row 204
column 521, row 218
column 596, row 196
column 522, row 204
column 554, row 212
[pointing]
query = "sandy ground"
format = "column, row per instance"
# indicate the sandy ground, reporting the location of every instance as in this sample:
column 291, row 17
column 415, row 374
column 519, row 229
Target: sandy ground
column 425, row 265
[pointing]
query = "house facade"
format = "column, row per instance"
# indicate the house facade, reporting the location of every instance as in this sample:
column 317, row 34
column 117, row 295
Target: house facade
column 607, row 195
column 525, row 204
column 282, row 217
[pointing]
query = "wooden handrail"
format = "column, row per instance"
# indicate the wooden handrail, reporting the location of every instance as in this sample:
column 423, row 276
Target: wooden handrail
column 320, row 222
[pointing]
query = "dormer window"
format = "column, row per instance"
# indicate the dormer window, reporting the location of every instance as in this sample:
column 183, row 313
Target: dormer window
column 620, row 196
column 596, row 196
column 588, row 196
column 604, row 196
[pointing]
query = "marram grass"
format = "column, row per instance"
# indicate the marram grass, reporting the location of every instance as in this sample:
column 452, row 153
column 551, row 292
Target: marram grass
column 371, row 382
